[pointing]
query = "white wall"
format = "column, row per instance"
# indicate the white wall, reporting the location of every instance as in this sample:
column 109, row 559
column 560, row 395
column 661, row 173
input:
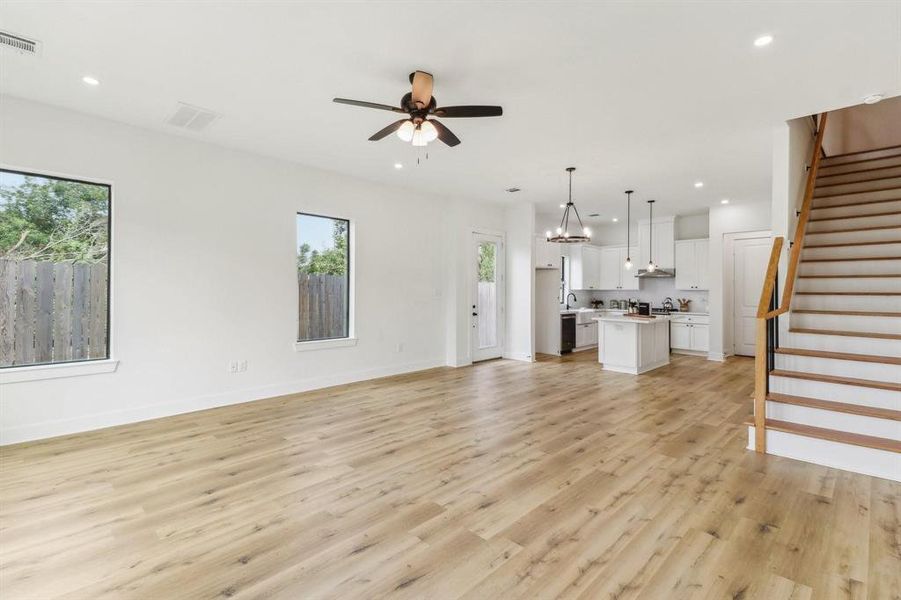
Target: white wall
column 732, row 218
column 204, row 272
column 520, row 338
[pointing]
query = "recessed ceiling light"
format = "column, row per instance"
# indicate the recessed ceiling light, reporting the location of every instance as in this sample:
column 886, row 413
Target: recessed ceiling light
column 764, row 40
column 873, row 98
column 724, row 201
column 90, row 80
column 699, row 184
column 615, row 220
column 398, row 166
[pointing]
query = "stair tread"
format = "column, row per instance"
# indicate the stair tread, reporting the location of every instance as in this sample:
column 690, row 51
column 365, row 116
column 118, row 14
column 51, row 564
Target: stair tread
column 852, row 259
column 833, row 435
column 843, row 407
column 848, row 244
column 821, row 175
column 852, row 276
column 853, row 229
column 863, row 216
column 870, row 383
column 847, row 204
column 849, row 293
column 850, row 313
column 880, row 149
column 889, row 360
column 855, row 182
column 866, row 334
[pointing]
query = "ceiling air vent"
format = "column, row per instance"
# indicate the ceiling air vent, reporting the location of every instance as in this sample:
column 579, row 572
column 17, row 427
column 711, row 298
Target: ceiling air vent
column 20, row 44
column 192, row 118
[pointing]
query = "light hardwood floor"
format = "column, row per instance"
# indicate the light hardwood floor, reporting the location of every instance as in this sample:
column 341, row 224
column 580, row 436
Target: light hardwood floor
column 503, row 480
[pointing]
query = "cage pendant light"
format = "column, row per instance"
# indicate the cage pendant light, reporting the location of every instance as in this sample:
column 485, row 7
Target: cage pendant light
column 563, row 234
column 628, row 263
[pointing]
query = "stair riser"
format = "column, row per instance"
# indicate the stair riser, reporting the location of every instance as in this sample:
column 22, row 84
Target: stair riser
column 829, row 161
column 840, row 368
column 838, row 421
column 858, row 284
column 833, row 224
column 853, row 267
column 878, row 463
column 862, row 208
column 842, row 343
column 836, row 392
column 858, row 186
column 882, row 163
column 848, row 237
column 829, row 199
column 847, row 323
column 863, row 175
column 870, row 303
column 874, row 251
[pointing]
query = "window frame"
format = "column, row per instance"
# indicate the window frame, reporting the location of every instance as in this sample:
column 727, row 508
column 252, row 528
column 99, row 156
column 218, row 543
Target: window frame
column 334, row 342
column 84, row 366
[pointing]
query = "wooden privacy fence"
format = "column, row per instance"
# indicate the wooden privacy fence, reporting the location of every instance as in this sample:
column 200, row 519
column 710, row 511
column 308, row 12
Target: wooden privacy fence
column 322, row 306
column 52, row 312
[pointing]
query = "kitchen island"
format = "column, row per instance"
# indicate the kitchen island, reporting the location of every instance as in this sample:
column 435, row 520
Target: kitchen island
column 633, row 345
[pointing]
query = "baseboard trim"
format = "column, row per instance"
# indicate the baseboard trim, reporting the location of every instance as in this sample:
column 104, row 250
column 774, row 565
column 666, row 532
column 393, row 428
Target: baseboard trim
column 519, row 356
column 50, row 429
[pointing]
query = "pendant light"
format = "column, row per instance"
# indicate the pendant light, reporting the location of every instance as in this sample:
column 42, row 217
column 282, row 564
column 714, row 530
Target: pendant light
column 651, row 266
column 628, row 264
column 563, row 236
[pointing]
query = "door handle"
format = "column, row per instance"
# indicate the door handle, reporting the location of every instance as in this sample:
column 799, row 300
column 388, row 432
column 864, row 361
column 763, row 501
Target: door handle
column 475, row 314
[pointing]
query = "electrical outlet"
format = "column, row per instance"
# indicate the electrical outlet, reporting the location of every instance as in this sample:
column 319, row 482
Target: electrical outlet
column 400, row 347
column 233, row 366
column 242, row 366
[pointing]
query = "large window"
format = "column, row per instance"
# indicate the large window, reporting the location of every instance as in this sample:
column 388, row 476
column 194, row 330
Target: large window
column 54, row 270
column 323, row 277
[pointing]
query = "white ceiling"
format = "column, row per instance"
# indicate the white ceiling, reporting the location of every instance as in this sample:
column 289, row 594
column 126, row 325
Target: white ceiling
column 646, row 95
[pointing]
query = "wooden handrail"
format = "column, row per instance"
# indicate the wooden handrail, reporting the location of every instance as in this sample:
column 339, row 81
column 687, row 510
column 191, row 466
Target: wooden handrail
column 764, row 310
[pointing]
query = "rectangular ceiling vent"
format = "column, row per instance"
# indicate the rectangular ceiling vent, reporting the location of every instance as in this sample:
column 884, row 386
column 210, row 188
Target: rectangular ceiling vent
column 192, row 118
column 20, row 44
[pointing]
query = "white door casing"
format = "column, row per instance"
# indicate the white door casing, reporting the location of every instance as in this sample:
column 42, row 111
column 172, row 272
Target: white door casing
column 750, row 258
column 487, row 298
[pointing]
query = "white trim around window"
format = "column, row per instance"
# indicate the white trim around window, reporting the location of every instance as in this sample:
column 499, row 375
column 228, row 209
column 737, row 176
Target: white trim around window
column 55, row 371
column 323, row 344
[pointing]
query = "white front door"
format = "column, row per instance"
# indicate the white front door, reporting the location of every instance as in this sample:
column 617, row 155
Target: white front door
column 750, row 257
column 487, row 296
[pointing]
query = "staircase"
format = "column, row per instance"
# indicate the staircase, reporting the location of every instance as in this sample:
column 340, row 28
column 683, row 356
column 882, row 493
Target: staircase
column 833, row 385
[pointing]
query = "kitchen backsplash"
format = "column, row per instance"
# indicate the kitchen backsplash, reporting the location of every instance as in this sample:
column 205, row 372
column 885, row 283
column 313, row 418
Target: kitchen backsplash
column 652, row 290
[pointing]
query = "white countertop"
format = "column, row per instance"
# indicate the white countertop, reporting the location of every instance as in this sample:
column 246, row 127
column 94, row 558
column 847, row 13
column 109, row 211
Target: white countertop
column 636, row 320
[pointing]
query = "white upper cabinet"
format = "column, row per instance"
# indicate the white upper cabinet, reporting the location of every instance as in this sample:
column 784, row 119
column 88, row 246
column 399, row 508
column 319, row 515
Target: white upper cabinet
column 614, row 275
column 584, row 267
column 692, row 271
column 662, row 239
column 547, row 254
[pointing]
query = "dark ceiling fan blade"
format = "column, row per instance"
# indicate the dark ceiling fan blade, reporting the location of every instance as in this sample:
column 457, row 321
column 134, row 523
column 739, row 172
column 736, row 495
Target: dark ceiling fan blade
column 368, row 105
column 468, row 111
column 387, row 130
column 422, row 88
column 444, row 134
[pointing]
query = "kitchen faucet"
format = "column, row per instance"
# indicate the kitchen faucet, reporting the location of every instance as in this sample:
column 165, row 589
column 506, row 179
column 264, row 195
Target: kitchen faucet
column 567, row 299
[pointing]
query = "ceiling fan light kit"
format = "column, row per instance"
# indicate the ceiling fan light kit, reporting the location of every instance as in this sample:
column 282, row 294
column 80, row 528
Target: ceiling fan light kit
column 563, row 236
column 420, row 127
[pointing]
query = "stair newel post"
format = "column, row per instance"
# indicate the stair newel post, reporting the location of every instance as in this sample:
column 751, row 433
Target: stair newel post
column 765, row 343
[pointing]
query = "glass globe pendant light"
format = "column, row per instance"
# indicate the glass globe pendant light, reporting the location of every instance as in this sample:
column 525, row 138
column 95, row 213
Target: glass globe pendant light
column 429, row 132
column 651, row 266
column 563, row 235
column 405, row 132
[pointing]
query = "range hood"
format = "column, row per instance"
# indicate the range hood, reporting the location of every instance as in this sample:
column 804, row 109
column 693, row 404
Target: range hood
column 656, row 273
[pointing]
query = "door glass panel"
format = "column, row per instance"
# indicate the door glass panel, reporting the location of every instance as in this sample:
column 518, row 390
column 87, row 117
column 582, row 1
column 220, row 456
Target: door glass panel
column 487, row 294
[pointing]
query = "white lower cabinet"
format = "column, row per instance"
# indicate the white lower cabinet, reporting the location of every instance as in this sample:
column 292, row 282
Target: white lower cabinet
column 690, row 333
column 586, row 334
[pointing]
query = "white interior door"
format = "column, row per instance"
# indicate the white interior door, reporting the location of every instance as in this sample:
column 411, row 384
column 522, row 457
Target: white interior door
column 487, row 296
column 750, row 258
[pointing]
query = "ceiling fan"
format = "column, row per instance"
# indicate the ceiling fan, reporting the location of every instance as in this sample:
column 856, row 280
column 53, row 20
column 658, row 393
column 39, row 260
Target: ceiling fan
column 421, row 108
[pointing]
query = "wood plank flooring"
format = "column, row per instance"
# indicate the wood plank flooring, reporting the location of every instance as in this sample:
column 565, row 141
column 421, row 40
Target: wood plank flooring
column 503, row 480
